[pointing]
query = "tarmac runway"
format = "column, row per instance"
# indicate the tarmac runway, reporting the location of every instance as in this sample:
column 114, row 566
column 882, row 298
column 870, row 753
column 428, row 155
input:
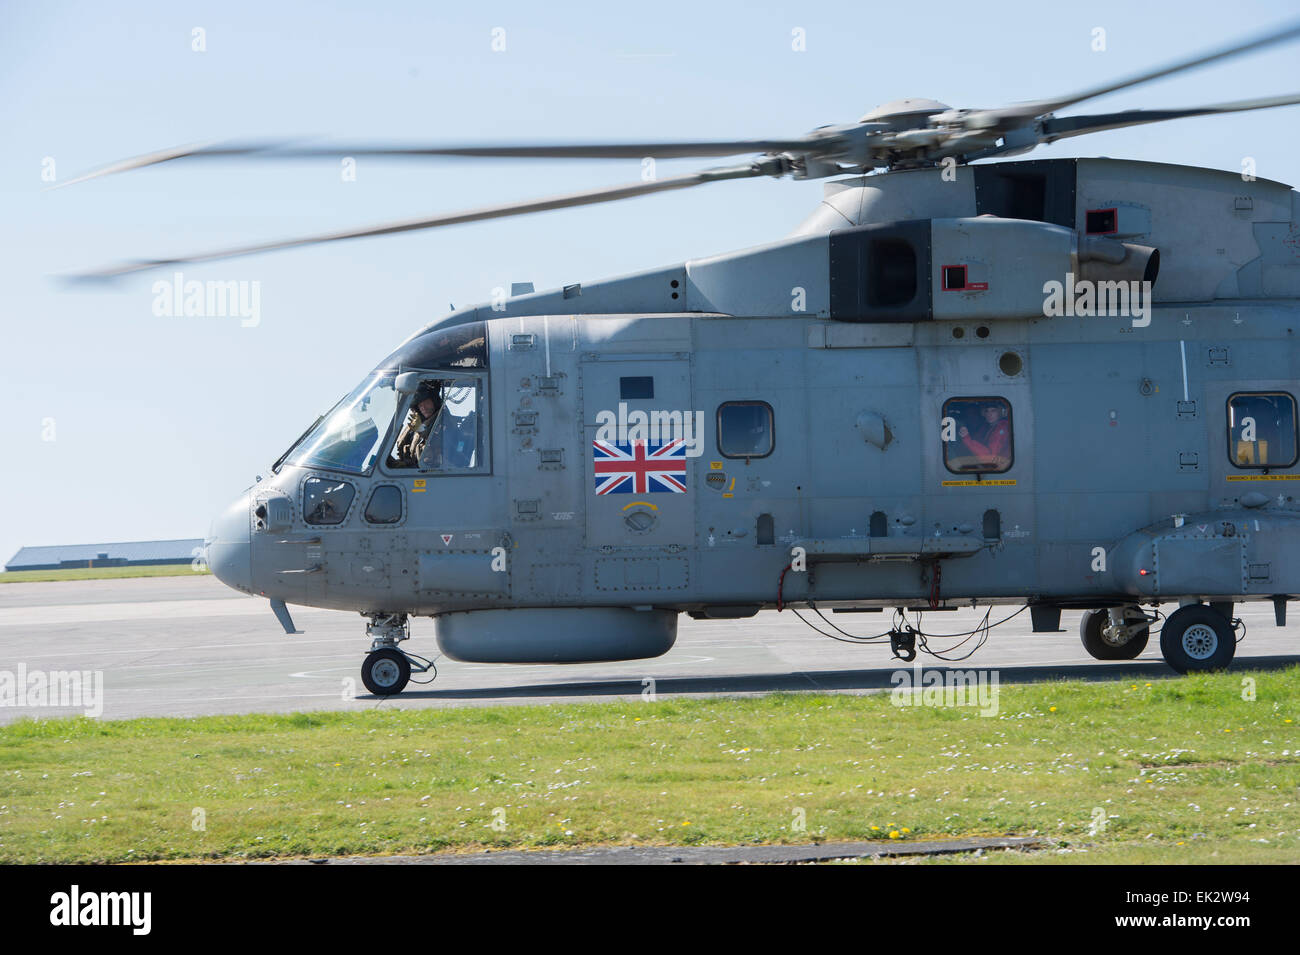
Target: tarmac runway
column 188, row 646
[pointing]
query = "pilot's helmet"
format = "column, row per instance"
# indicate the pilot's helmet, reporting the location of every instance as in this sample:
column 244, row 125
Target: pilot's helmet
column 425, row 393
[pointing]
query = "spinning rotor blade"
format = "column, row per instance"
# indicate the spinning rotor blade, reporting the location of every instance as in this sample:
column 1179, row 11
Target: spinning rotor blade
column 283, row 150
column 1016, row 114
column 1063, row 127
column 587, row 197
column 213, row 150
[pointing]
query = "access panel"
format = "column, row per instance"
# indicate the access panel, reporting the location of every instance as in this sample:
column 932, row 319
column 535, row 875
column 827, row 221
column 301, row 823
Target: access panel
column 642, row 440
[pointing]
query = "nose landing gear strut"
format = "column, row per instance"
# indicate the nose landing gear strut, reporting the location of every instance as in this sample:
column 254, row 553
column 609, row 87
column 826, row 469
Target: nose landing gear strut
column 387, row 668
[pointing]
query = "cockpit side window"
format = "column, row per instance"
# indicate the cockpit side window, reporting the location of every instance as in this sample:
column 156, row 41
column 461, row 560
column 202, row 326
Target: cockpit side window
column 442, row 428
column 1262, row 430
column 977, row 435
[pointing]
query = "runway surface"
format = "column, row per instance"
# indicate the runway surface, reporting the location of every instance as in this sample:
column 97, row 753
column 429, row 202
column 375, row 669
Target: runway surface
column 188, row 646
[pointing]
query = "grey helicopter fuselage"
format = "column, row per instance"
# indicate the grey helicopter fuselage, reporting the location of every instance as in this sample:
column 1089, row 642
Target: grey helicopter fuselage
column 825, row 391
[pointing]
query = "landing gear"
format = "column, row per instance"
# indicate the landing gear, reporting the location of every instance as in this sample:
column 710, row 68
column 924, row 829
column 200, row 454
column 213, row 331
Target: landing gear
column 388, row 668
column 1116, row 634
column 1197, row 638
column 386, row 671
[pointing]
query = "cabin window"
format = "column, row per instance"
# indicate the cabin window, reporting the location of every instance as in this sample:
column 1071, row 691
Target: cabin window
column 745, row 429
column 1262, row 430
column 326, row 500
column 385, row 505
column 977, row 435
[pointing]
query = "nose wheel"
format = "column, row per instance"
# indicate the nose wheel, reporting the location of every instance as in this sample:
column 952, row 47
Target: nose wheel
column 386, row 671
column 388, row 668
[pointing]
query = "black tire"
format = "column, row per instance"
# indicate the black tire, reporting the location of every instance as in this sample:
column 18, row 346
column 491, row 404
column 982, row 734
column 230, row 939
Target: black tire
column 386, row 672
column 1198, row 639
column 1090, row 625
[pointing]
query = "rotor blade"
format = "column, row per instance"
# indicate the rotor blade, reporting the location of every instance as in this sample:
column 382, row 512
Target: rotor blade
column 1023, row 111
column 671, row 150
column 167, row 155
column 1064, row 127
column 588, row 197
column 283, row 150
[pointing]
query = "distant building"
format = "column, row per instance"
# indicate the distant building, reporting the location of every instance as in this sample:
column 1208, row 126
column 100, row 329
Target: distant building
column 129, row 554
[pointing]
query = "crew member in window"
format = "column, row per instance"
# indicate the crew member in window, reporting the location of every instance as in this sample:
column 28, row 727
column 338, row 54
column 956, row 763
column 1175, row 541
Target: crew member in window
column 419, row 422
column 992, row 446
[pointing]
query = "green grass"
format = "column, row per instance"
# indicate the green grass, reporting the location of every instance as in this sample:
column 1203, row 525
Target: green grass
column 1184, row 770
column 98, row 573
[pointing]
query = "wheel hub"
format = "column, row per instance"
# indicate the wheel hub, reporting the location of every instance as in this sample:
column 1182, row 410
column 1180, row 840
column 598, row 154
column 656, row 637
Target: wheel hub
column 385, row 673
column 1200, row 641
column 1116, row 635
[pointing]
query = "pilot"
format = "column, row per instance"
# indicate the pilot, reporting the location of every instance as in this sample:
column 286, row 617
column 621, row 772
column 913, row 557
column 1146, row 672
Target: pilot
column 994, row 442
column 419, row 422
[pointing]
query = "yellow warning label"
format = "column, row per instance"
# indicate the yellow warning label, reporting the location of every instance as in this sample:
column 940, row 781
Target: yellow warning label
column 1010, row 483
column 715, row 465
column 1264, row 477
column 418, row 486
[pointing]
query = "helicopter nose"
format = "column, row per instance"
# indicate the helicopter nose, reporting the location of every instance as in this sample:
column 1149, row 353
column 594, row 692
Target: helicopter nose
column 229, row 548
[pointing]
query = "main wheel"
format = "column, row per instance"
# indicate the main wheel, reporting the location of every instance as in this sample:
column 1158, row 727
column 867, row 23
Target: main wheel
column 385, row 671
column 1197, row 638
column 1092, row 632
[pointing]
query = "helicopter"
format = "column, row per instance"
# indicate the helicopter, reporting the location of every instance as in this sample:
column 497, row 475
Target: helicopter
column 1054, row 384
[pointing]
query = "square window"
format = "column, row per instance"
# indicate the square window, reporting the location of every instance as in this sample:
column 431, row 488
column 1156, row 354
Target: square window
column 745, row 429
column 385, row 505
column 977, row 435
column 1262, row 430
column 954, row 277
column 638, row 387
column 326, row 501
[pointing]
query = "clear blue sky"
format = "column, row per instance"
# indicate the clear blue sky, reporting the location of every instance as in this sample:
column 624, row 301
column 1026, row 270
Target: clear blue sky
column 159, row 422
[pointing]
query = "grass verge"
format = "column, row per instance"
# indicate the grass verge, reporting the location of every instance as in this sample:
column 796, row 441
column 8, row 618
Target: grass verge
column 1180, row 770
column 98, row 573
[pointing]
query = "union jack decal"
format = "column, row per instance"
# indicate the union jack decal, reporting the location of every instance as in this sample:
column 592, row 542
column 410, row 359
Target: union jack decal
column 641, row 467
